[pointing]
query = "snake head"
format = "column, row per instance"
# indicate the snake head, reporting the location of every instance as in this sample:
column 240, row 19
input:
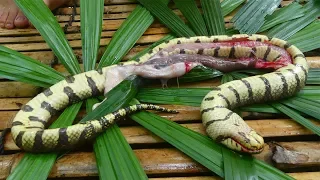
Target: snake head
column 250, row 142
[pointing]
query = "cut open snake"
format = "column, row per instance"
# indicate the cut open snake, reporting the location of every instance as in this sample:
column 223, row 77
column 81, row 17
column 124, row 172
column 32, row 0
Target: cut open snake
column 171, row 59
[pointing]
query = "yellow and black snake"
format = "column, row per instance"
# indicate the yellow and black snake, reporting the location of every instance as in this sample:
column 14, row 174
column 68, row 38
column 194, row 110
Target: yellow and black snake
column 223, row 125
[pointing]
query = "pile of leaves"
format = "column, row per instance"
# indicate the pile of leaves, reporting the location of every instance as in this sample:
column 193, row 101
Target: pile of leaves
column 296, row 23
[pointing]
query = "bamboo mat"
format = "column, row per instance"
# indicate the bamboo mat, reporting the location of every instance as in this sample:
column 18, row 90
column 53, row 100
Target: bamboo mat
column 160, row 160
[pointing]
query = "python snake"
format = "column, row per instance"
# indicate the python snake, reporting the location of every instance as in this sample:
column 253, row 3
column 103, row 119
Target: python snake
column 181, row 55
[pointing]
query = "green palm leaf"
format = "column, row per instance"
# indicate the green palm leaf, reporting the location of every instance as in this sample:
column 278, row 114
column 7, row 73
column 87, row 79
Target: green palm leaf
column 229, row 5
column 91, row 21
column 289, row 28
column 222, row 158
column 42, row 18
column 213, row 16
column 127, row 35
column 191, row 12
column 18, row 67
column 167, row 17
column 251, row 16
column 290, row 12
column 307, row 39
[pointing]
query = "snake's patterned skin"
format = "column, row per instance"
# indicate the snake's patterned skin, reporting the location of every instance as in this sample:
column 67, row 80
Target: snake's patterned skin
column 223, row 125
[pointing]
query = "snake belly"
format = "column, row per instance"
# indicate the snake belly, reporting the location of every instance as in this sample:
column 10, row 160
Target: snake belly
column 223, row 125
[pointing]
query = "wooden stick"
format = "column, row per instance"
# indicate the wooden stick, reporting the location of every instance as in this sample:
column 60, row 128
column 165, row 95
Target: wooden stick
column 154, row 162
column 73, row 36
column 17, row 89
column 300, row 175
column 78, row 43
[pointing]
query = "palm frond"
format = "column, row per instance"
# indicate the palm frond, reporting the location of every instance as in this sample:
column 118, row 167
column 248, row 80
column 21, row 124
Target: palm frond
column 289, row 28
column 232, row 160
column 297, row 117
column 213, row 17
column 200, row 73
column 307, row 39
column 290, row 12
column 214, row 156
column 165, row 15
column 26, row 69
column 42, row 18
column 126, row 36
column 191, row 12
column 229, row 5
column 91, row 21
column 251, row 16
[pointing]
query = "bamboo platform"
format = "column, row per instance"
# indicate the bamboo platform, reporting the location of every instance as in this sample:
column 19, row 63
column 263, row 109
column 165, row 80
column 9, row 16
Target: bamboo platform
column 297, row 149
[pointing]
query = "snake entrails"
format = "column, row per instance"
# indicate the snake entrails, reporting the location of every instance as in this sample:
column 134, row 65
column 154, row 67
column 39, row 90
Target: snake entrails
column 171, row 59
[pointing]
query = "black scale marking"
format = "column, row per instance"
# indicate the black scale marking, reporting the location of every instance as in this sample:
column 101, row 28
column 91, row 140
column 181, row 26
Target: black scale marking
column 94, row 89
column 216, row 120
column 71, row 95
column 47, row 92
column 247, row 84
column 236, row 94
column 284, row 84
column 34, row 118
column 27, row 108
column 48, row 107
column 38, row 143
column 267, row 93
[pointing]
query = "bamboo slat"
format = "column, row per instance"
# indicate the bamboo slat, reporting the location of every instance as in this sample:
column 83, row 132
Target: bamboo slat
column 154, row 161
column 302, row 176
column 17, row 89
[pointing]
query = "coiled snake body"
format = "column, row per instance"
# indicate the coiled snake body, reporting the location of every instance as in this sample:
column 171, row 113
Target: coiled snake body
column 223, row 125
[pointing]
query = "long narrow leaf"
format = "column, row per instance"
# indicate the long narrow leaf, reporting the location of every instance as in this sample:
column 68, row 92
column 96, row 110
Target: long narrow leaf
column 289, row 28
column 292, row 11
column 42, row 18
column 182, row 96
column 120, row 161
column 91, row 21
column 229, row 5
column 303, row 105
column 297, row 117
column 308, row 38
column 165, row 15
column 127, row 35
column 38, row 166
column 213, row 17
column 231, row 161
column 16, row 66
column 251, row 16
column 200, row 73
column 191, row 12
